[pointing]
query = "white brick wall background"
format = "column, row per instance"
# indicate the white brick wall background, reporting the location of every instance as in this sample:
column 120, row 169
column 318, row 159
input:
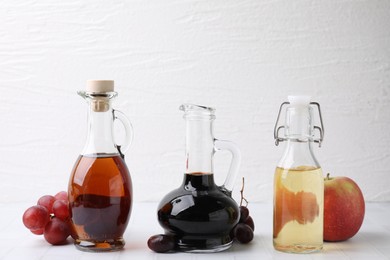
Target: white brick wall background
column 241, row 57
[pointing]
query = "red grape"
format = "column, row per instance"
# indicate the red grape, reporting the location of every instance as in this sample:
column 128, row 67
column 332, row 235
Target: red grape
column 38, row 231
column 50, row 217
column 244, row 214
column 47, row 201
column 249, row 222
column 56, row 232
column 61, row 209
column 161, row 243
column 36, row 217
column 62, row 195
column 243, row 233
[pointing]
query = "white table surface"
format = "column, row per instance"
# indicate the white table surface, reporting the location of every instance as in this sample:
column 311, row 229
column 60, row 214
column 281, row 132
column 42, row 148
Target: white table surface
column 372, row 241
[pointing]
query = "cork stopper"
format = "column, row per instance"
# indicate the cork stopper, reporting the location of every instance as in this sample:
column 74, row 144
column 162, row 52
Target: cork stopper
column 100, row 86
column 100, row 103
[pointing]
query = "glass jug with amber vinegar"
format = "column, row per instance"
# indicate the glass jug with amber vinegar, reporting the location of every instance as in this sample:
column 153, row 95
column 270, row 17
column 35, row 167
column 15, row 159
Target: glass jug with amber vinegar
column 200, row 214
column 298, row 181
column 100, row 187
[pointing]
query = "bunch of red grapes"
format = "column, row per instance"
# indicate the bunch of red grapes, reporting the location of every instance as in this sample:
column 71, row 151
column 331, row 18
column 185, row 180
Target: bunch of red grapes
column 243, row 231
column 50, row 218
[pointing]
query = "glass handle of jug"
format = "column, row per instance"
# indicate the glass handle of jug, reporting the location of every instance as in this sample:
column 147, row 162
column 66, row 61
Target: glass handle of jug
column 234, row 165
column 128, row 130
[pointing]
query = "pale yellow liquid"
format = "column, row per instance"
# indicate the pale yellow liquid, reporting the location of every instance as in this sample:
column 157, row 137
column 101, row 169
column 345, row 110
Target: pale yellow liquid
column 298, row 209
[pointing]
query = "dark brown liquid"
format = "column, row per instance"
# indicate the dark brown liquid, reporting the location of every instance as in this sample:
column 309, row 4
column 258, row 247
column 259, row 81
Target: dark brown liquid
column 100, row 197
column 199, row 214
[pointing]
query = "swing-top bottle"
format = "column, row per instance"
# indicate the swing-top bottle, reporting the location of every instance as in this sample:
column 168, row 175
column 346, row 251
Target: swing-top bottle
column 298, row 181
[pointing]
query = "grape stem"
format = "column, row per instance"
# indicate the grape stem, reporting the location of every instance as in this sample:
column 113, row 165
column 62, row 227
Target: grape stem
column 242, row 193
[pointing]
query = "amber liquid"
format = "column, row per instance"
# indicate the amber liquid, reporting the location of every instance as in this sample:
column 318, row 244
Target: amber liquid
column 100, row 197
column 199, row 215
column 298, row 209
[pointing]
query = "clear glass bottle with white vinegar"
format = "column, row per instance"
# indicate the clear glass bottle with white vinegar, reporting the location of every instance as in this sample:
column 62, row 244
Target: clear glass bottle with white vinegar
column 298, row 181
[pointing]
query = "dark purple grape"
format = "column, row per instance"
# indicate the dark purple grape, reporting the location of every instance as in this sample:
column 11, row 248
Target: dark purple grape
column 243, row 233
column 249, row 222
column 161, row 243
column 244, row 214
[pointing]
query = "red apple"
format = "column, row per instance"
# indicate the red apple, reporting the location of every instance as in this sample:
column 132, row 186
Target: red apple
column 343, row 208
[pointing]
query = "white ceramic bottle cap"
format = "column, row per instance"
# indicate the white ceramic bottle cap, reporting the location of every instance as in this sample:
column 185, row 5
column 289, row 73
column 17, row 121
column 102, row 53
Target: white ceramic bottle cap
column 100, row 86
column 299, row 100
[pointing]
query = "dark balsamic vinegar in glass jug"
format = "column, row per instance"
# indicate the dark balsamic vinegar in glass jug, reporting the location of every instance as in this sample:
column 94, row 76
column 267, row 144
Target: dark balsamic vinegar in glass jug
column 199, row 213
column 100, row 187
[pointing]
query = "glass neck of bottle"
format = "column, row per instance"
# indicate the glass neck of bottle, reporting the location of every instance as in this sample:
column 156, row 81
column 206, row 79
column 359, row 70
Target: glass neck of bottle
column 100, row 139
column 199, row 145
column 298, row 154
column 299, row 125
column 299, row 136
